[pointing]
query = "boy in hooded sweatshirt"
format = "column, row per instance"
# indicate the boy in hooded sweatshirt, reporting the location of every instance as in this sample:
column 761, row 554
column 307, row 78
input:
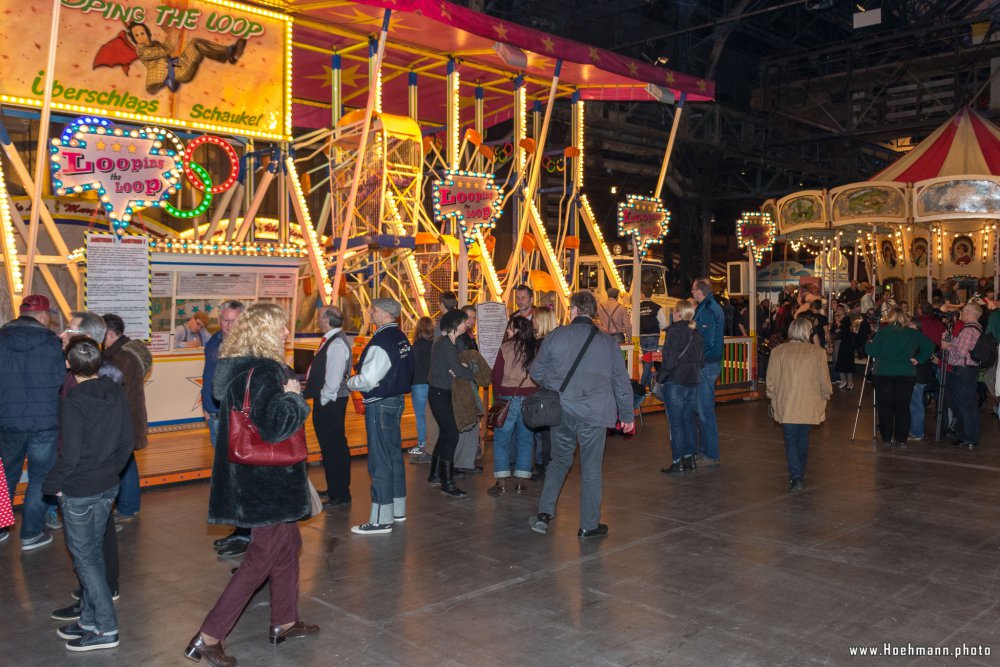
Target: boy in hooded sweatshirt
column 96, row 431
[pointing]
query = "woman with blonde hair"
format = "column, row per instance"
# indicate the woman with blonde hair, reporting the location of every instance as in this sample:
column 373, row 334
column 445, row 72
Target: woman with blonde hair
column 544, row 321
column 680, row 373
column 897, row 350
column 798, row 384
column 268, row 499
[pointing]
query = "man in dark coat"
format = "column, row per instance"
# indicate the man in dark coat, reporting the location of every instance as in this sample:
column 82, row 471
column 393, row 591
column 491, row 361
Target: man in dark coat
column 711, row 324
column 134, row 374
column 32, row 369
column 236, row 543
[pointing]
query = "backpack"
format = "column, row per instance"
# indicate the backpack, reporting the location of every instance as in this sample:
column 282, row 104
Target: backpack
column 984, row 352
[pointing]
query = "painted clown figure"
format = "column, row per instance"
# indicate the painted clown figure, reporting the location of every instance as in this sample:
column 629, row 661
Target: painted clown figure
column 163, row 69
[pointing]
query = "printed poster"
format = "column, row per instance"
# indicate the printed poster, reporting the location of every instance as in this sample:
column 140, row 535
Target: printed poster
column 491, row 325
column 187, row 63
column 118, row 280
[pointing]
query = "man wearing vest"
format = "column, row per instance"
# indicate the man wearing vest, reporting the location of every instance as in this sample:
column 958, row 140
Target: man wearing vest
column 326, row 385
column 612, row 318
column 651, row 320
column 384, row 375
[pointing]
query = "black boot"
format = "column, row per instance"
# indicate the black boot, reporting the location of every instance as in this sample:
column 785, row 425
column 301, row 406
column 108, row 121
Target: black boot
column 690, row 462
column 448, row 480
column 434, row 477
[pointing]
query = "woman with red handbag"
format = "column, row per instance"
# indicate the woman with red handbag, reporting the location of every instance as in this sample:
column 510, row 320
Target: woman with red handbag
column 511, row 383
column 261, row 423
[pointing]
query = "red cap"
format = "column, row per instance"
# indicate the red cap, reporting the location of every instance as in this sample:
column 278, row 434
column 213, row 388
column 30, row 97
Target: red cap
column 35, row 303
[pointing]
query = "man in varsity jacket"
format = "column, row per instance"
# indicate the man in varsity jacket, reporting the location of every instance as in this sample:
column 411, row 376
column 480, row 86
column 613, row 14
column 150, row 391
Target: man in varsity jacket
column 384, row 375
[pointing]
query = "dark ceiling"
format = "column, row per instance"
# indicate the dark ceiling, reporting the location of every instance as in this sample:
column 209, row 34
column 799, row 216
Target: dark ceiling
column 805, row 99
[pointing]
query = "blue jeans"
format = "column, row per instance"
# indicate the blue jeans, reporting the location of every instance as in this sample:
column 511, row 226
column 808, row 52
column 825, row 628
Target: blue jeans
column 513, row 429
column 418, row 395
column 213, row 427
column 917, row 407
column 680, row 401
column 128, row 494
column 709, row 437
column 385, row 454
column 648, row 343
column 796, row 448
column 40, row 449
column 84, row 523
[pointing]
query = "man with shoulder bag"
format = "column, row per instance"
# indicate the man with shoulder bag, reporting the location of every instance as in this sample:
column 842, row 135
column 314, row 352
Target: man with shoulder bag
column 587, row 369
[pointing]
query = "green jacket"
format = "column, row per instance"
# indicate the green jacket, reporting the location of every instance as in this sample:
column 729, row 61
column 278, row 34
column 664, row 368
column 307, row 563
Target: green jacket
column 993, row 325
column 894, row 346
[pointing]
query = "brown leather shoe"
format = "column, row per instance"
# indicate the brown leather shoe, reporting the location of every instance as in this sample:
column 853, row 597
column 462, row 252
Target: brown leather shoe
column 215, row 654
column 296, row 631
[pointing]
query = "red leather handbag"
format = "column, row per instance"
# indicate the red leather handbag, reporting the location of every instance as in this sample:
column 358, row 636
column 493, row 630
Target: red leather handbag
column 246, row 446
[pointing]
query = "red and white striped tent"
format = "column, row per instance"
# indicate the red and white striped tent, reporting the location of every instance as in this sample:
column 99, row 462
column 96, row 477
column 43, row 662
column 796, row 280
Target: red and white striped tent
column 966, row 144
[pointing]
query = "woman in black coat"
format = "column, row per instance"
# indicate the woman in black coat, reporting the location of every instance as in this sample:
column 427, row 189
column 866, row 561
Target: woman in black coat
column 445, row 367
column 680, row 373
column 268, row 499
column 844, row 364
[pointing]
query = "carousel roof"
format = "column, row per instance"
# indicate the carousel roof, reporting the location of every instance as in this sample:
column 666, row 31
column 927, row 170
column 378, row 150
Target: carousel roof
column 967, row 144
column 423, row 34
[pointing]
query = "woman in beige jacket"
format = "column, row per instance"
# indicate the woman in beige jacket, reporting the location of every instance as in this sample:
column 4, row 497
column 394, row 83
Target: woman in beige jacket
column 798, row 384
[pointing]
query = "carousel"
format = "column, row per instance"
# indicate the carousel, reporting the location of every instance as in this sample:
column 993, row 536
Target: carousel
column 929, row 218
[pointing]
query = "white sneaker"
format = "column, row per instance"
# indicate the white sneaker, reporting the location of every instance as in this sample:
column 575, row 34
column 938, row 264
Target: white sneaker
column 372, row 529
column 414, row 451
column 35, row 542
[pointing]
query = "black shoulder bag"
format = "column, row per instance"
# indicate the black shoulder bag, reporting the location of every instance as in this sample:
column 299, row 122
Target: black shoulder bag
column 542, row 409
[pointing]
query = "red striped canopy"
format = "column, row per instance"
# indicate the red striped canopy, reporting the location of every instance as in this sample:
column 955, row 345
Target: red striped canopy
column 968, row 144
column 424, row 34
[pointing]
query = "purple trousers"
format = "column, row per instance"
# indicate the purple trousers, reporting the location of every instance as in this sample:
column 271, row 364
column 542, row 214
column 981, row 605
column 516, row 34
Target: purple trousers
column 273, row 555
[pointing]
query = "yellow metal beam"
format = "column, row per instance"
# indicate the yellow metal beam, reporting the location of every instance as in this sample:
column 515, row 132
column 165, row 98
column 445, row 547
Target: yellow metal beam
column 50, row 226
column 50, row 280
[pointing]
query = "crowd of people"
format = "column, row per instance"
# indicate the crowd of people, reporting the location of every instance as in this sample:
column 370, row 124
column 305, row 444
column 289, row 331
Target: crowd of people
column 946, row 353
column 72, row 406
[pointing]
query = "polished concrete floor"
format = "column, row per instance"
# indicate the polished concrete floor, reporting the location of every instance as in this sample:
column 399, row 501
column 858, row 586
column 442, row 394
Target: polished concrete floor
column 721, row 567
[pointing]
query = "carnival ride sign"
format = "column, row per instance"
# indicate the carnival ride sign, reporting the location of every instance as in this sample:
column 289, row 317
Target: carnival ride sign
column 132, row 168
column 470, row 198
column 197, row 64
column 645, row 219
column 755, row 231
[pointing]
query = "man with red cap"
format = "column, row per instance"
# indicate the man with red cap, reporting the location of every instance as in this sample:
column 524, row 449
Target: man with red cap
column 32, row 369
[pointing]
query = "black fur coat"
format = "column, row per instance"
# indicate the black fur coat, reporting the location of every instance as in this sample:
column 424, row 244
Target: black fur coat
column 252, row 496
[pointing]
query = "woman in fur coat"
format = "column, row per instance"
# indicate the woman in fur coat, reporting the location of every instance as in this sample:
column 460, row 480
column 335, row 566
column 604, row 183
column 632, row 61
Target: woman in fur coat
column 270, row 500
